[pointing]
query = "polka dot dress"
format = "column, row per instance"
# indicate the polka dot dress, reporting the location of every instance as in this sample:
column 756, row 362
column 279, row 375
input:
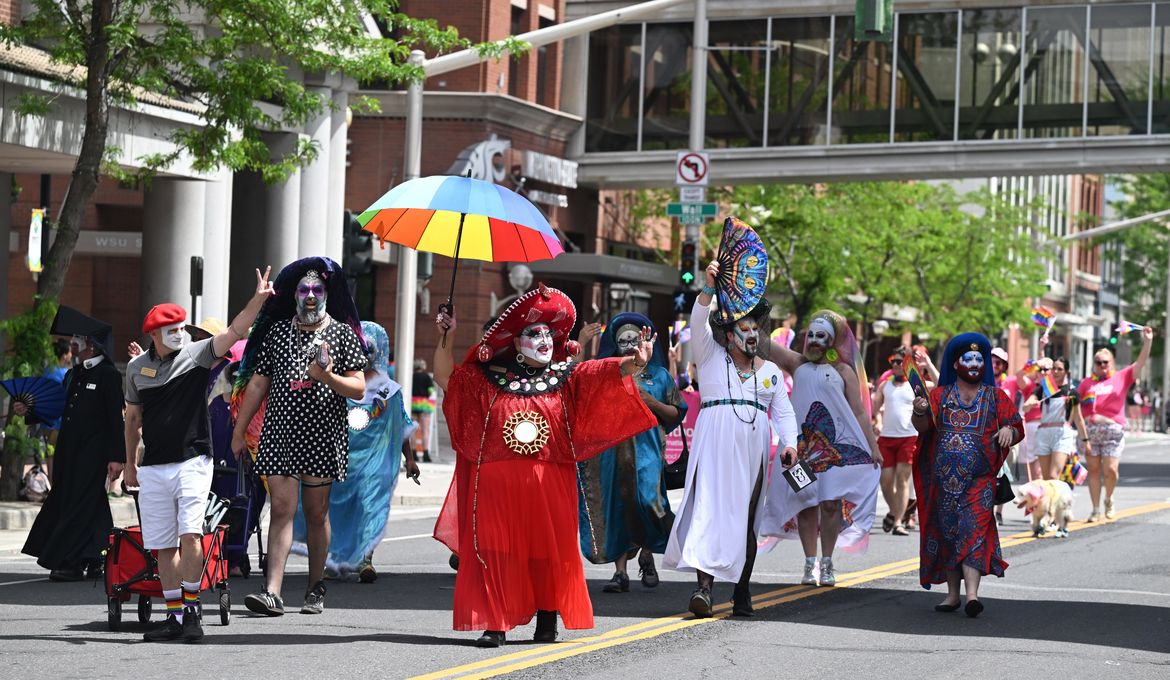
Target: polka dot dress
column 304, row 431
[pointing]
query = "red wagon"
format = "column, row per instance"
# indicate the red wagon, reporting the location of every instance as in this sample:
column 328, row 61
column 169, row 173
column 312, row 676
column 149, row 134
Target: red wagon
column 132, row 569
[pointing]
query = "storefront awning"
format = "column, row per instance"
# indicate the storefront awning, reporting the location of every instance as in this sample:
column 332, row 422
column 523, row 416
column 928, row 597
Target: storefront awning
column 591, row 268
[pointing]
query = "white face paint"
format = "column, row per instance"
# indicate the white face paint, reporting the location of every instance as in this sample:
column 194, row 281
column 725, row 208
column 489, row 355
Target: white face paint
column 536, row 344
column 746, row 336
column 819, row 339
column 174, row 336
column 627, row 340
column 970, row 366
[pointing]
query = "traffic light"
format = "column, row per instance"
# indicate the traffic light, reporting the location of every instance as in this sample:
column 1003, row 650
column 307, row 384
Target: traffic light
column 874, row 20
column 1112, row 339
column 686, row 262
column 357, row 258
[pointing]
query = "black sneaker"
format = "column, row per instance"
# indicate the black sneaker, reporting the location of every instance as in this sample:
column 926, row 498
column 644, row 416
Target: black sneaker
column 647, row 570
column 620, row 583
column 315, row 599
column 192, row 628
column 491, row 638
column 265, row 603
column 67, row 575
column 166, row 631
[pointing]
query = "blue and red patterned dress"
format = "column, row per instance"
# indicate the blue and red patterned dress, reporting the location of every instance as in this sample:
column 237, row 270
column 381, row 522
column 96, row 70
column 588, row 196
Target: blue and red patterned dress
column 954, row 475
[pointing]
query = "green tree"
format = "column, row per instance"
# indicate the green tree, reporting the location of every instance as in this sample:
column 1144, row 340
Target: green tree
column 1144, row 248
column 963, row 262
column 29, row 353
column 228, row 57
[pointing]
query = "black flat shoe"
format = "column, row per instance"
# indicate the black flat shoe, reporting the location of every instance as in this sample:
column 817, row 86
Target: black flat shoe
column 946, row 607
column 620, row 583
column 974, row 608
column 701, row 603
column 546, row 626
column 491, row 638
column 67, row 575
column 741, row 602
column 888, row 522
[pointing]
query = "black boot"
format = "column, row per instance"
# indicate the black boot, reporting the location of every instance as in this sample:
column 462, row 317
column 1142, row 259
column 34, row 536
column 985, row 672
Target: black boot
column 546, row 626
column 491, row 638
column 741, row 601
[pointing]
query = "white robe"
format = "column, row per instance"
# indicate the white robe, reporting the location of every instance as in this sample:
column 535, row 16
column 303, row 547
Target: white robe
column 727, row 456
column 856, row 484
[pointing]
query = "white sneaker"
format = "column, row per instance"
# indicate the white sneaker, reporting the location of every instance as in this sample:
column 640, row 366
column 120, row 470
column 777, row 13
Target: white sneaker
column 828, row 575
column 809, row 578
column 1094, row 516
column 1109, row 514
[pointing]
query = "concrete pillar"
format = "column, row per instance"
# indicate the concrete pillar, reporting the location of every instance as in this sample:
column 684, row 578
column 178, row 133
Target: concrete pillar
column 338, row 135
column 217, row 238
column 314, row 183
column 174, row 215
column 282, row 211
column 5, row 239
column 575, row 89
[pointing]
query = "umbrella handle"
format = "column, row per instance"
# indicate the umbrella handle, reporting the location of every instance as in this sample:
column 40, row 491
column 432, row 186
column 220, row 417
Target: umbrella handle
column 449, row 309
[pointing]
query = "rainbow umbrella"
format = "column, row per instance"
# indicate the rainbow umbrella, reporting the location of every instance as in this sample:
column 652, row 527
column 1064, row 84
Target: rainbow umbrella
column 461, row 217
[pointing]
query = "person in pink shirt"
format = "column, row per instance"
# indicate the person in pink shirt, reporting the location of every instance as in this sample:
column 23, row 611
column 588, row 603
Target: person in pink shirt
column 1103, row 406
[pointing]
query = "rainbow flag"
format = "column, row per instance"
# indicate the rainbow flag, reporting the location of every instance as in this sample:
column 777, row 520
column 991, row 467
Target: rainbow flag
column 1043, row 317
column 1089, row 399
column 1128, row 327
column 1048, row 386
column 784, row 336
column 1030, row 366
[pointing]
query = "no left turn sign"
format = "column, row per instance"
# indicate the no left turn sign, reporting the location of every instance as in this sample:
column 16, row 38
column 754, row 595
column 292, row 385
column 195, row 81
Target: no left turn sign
column 691, row 169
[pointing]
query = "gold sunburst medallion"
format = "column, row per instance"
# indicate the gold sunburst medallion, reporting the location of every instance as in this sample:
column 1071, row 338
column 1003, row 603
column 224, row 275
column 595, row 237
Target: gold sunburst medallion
column 526, row 432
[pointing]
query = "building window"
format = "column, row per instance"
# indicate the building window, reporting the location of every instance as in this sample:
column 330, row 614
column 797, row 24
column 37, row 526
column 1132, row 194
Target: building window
column 544, row 55
column 514, row 62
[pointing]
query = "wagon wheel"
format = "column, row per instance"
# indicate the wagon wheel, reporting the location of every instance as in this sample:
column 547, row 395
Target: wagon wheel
column 114, row 612
column 144, row 609
column 225, row 606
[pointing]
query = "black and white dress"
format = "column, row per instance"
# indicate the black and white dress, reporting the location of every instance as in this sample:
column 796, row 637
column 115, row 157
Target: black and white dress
column 304, row 429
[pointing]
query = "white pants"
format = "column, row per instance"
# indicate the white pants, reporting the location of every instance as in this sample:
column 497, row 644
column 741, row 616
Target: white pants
column 173, row 500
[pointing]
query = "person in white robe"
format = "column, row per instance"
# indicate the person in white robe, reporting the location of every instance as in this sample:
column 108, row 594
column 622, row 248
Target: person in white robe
column 743, row 398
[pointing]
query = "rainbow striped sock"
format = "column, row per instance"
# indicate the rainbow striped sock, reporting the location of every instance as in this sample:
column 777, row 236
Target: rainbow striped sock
column 190, row 594
column 174, row 600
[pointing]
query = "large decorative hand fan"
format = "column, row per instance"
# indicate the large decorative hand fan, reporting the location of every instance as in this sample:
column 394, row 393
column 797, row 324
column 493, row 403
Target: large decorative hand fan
column 743, row 271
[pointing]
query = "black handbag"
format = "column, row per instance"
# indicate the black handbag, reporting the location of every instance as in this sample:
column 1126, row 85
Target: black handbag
column 675, row 474
column 1003, row 490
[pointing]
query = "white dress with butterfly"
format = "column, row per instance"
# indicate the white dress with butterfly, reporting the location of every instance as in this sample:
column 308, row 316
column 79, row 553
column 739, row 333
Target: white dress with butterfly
column 727, row 456
column 834, row 445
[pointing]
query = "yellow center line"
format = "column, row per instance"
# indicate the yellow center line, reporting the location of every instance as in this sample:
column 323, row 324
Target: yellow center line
column 660, row 626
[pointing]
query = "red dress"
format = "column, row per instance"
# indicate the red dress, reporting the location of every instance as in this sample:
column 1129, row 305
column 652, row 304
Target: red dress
column 511, row 511
column 954, row 476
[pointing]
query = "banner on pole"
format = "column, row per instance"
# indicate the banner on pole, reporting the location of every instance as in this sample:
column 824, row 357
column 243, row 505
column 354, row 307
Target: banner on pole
column 34, row 240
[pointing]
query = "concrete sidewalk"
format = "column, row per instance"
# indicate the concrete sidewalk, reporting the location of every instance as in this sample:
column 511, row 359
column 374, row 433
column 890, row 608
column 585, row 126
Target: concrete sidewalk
column 434, row 478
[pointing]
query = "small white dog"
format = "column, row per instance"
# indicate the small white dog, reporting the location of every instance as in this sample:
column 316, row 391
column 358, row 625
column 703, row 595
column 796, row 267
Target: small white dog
column 1049, row 501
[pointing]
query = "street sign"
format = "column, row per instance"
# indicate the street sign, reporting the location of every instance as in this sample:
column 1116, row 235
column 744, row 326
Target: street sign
column 689, row 194
column 691, row 211
column 691, row 169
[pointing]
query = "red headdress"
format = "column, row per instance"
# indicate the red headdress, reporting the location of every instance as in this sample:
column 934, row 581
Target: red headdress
column 539, row 305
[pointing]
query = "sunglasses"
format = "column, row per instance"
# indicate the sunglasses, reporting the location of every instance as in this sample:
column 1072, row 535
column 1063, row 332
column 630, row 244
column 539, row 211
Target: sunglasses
column 1102, row 362
column 896, row 362
column 1042, row 370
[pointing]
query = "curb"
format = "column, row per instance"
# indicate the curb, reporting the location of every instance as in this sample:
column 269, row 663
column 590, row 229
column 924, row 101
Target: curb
column 18, row 516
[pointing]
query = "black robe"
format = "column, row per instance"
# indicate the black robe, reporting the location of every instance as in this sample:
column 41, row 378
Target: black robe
column 74, row 523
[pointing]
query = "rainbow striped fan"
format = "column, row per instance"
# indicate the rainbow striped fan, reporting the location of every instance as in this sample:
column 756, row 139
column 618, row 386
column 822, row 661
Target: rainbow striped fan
column 743, row 271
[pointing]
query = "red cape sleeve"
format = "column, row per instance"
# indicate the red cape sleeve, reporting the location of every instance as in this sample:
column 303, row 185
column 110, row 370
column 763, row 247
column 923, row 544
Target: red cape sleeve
column 604, row 407
column 464, row 408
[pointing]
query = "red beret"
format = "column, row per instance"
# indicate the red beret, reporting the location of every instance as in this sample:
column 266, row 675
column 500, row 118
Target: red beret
column 166, row 314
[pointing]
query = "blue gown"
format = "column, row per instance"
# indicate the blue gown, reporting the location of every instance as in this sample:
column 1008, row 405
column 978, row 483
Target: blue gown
column 622, row 501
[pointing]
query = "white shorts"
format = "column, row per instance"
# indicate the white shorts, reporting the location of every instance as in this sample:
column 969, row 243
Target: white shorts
column 1029, row 444
column 1050, row 440
column 172, row 500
